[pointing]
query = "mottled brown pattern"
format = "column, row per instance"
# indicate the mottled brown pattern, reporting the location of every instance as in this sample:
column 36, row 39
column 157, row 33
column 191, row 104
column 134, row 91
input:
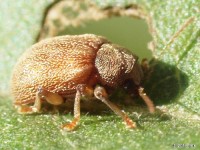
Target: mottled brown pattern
column 114, row 64
column 57, row 64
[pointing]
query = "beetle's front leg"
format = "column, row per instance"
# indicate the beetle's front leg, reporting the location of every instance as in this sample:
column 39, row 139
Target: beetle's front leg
column 41, row 94
column 146, row 99
column 100, row 93
column 82, row 90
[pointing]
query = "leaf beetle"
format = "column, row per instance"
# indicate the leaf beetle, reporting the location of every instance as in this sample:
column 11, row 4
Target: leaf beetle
column 74, row 66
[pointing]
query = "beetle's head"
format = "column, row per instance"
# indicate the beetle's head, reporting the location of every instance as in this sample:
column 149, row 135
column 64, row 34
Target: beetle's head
column 116, row 65
column 136, row 74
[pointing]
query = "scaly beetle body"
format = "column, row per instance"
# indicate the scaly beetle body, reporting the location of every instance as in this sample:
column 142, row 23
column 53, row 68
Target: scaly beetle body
column 74, row 66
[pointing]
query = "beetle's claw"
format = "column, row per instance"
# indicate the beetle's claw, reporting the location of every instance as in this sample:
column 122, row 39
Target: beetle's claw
column 71, row 126
column 68, row 127
column 129, row 123
column 26, row 109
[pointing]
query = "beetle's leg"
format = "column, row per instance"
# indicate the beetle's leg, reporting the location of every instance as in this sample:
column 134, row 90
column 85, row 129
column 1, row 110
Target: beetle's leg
column 41, row 94
column 81, row 90
column 70, row 126
column 101, row 94
column 25, row 109
column 146, row 99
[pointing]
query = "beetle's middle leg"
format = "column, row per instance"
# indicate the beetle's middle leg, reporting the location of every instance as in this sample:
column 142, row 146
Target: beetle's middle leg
column 41, row 94
column 82, row 90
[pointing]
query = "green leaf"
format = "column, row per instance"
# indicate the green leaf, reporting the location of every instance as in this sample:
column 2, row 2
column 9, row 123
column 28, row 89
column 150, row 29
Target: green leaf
column 172, row 82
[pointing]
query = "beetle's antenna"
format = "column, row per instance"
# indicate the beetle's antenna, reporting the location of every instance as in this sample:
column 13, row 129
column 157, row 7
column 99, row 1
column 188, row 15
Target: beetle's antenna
column 146, row 99
column 190, row 20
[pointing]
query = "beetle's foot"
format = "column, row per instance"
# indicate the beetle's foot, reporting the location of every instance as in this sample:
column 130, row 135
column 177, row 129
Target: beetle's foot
column 72, row 125
column 27, row 109
column 129, row 123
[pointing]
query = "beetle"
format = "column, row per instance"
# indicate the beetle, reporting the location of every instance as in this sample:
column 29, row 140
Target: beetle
column 74, row 66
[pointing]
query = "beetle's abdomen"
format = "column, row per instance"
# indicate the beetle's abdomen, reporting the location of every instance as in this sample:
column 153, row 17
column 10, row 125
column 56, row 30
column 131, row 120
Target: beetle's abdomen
column 57, row 64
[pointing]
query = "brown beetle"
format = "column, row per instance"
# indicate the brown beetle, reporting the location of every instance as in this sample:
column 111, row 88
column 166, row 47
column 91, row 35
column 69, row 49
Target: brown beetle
column 74, row 66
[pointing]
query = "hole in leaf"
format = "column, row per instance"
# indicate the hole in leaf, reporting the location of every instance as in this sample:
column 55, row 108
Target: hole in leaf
column 125, row 31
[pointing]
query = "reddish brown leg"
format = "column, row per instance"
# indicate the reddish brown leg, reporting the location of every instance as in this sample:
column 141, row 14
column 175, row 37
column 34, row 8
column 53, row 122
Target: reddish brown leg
column 71, row 126
column 146, row 99
column 101, row 94
column 52, row 98
column 81, row 90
